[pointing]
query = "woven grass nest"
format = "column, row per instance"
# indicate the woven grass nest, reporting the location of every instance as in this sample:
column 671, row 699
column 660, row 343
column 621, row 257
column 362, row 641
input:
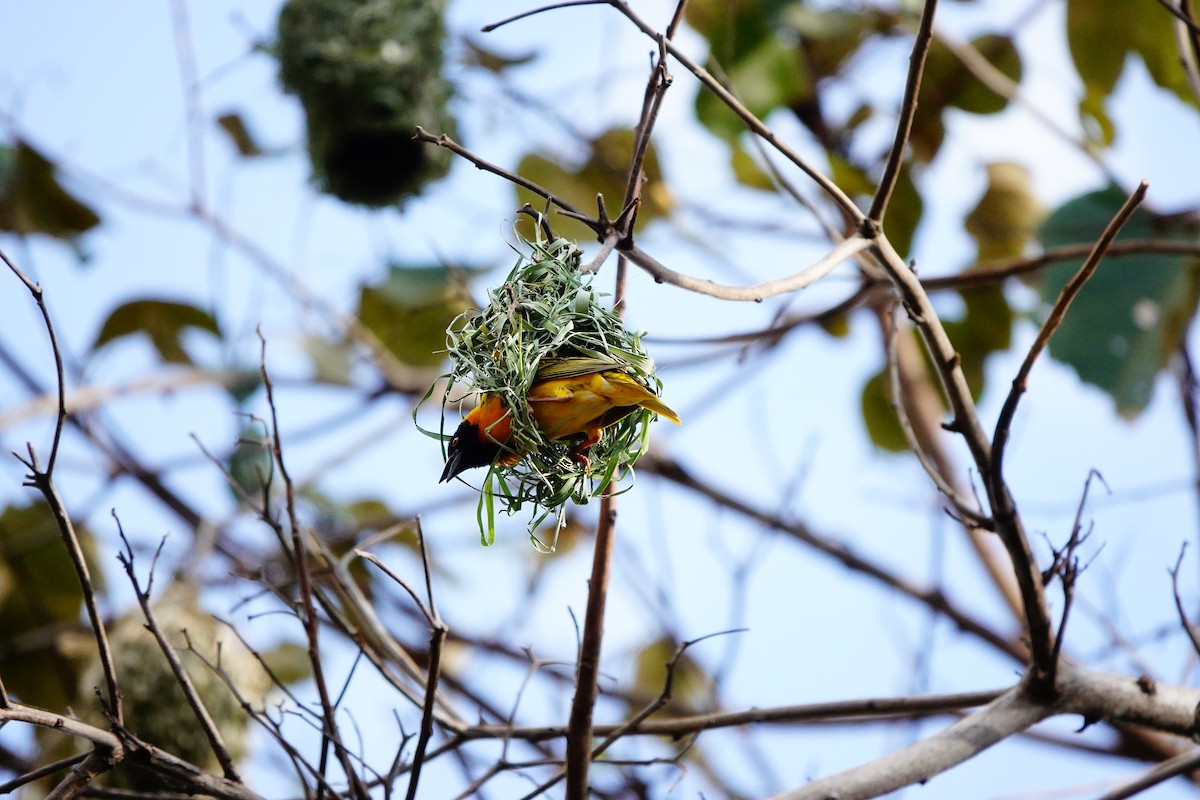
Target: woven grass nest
column 544, row 311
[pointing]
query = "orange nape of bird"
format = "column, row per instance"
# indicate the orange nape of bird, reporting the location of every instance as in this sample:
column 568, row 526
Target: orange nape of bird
column 569, row 397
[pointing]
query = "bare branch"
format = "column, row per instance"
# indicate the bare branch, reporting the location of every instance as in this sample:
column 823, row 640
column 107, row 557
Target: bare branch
column 77, row 781
column 908, row 110
column 194, row 701
column 1188, row 627
column 846, row 249
column 1008, row 525
column 967, row 510
column 43, row 481
column 437, row 640
column 1177, row 765
column 1057, row 313
column 309, row 614
column 1009, row 714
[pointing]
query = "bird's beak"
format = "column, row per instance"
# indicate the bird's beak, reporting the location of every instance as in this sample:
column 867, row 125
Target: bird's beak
column 452, row 466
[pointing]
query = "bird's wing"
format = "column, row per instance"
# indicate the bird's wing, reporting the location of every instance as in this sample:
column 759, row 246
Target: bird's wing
column 559, row 368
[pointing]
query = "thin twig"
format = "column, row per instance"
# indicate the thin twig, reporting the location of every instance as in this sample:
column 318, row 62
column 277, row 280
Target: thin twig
column 1053, row 320
column 46, row 769
column 1069, row 569
column 43, row 481
column 186, row 53
column 194, row 701
column 1188, row 627
column 840, row 712
column 1176, row 765
column 97, row 762
column 331, row 735
column 908, row 110
column 539, row 10
column 753, row 123
column 1180, row 15
column 579, row 725
column 437, row 640
column 970, row 513
column 442, row 140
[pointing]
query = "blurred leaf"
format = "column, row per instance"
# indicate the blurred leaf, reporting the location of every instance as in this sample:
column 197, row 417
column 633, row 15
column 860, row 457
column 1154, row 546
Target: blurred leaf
column 332, row 362
column 33, row 558
column 235, row 127
column 836, row 327
column 692, row 687
column 410, row 309
column 1102, row 34
column 903, row 212
column 1131, row 316
column 245, row 386
column 747, row 171
column 33, row 201
column 251, row 464
column 883, row 426
column 604, row 172
column 853, row 180
column 1098, row 128
column 733, row 28
column 288, row 662
column 770, row 76
column 947, row 83
column 162, row 321
column 985, row 328
column 372, row 515
column 1006, row 217
column 481, row 56
column 829, row 37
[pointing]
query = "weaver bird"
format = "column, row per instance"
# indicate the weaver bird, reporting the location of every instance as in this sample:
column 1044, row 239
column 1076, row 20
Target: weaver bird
column 569, row 396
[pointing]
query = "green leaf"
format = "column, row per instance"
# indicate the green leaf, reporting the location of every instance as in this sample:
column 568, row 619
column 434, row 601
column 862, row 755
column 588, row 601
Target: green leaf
column 947, row 83
column 1131, row 316
column 692, row 688
column 829, row 37
column 747, row 172
column 33, row 201
column 1006, row 217
column 985, row 328
column 162, row 321
column 493, row 61
column 410, row 309
column 903, row 212
column 1098, row 128
column 251, row 464
column 734, row 27
column 289, row 662
column 32, row 556
column 883, row 426
column 770, row 76
column 1102, row 34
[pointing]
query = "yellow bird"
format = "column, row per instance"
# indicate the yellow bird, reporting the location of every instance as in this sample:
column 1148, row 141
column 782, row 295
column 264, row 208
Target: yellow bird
column 569, row 396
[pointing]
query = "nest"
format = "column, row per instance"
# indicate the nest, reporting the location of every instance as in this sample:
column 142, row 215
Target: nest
column 546, row 309
column 368, row 72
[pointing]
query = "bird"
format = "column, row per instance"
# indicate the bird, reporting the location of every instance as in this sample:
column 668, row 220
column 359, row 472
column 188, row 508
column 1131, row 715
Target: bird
column 569, row 396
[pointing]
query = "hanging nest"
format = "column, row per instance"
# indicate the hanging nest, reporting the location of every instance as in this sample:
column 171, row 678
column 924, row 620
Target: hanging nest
column 544, row 311
column 368, row 72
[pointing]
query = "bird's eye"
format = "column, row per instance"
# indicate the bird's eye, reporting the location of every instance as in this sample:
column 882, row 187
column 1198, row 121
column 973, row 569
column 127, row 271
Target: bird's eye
column 454, row 442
